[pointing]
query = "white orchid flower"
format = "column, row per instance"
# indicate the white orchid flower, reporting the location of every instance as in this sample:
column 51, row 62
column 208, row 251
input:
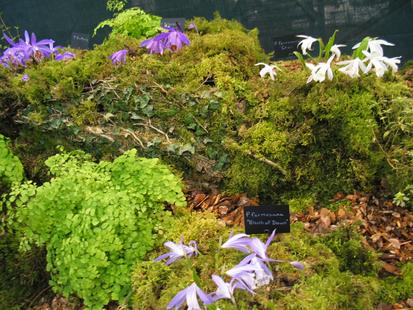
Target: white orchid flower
column 335, row 50
column 268, row 69
column 380, row 63
column 353, row 67
column 392, row 62
column 374, row 46
column 320, row 71
column 307, row 43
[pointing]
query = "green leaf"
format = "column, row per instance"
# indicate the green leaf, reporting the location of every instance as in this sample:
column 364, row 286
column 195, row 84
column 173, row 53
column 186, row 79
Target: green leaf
column 363, row 46
column 330, row 44
column 300, row 57
column 321, row 43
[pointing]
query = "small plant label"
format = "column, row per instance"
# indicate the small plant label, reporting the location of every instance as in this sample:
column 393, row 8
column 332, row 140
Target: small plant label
column 285, row 46
column 264, row 219
column 80, row 41
column 172, row 22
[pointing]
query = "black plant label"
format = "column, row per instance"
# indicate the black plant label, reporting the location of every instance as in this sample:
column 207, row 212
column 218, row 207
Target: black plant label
column 264, row 219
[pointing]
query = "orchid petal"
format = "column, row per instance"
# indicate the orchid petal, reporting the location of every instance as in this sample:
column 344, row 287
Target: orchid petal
column 297, row 265
column 178, row 300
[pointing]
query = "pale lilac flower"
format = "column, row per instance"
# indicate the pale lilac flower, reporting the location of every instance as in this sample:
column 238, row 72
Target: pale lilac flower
column 178, row 250
column 320, row 71
column 244, row 275
column 224, row 290
column 252, row 272
column 260, row 248
column 190, row 295
column 267, row 69
column 353, row 67
column 65, row 56
column 297, row 265
column 239, row 242
column 246, row 244
column 307, row 43
column 25, row 77
column 335, row 50
column 119, row 56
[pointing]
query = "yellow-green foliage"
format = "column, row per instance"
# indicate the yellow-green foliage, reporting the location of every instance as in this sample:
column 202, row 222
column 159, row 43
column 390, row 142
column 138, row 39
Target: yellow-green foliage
column 96, row 220
column 133, row 22
column 205, row 110
column 11, row 169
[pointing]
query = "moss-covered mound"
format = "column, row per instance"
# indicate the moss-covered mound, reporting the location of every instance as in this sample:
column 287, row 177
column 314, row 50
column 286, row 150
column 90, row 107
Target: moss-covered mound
column 206, row 111
column 329, row 280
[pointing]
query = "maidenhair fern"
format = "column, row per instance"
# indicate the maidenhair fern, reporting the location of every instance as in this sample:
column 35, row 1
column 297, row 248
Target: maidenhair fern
column 97, row 220
column 133, row 22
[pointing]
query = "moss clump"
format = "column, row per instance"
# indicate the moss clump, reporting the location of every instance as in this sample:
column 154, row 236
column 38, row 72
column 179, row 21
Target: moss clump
column 396, row 289
column 336, row 290
column 348, row 246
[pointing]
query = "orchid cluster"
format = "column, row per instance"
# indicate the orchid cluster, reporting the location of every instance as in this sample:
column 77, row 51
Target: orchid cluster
column 172, row 40
column 369, row 57
column 20, row 53
column 251, row 273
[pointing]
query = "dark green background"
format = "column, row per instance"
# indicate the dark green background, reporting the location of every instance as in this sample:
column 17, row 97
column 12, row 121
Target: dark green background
column 390, row 19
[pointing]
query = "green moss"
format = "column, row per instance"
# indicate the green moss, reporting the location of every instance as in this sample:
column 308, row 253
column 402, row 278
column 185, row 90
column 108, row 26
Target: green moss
column 337, row 290
column 396, row 289
column 348, row 246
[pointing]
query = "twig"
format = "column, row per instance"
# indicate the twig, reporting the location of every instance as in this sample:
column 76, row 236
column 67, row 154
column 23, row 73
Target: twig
column 149, row 124
column 37, row 296
column 203, row 83
column 260, row 158
column 267, row 161
column 161, row 88
column 384, row 152
column 135, row 137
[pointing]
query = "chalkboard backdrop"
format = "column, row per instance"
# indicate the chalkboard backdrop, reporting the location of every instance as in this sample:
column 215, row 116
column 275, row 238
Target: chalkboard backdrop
column 278, row 20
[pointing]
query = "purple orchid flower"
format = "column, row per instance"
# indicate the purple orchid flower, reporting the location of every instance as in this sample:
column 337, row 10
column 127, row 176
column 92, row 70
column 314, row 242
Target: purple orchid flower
column 25, row 77
column 189, row 295
column 19, row 53
column 192, row 26
column 65, row 56
column 157, row 44
column 172, row 40
column 119, row 56
column 9, row 40
column 43, row 48
column 178, row 250
column 176, row 40
column 14, row 56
